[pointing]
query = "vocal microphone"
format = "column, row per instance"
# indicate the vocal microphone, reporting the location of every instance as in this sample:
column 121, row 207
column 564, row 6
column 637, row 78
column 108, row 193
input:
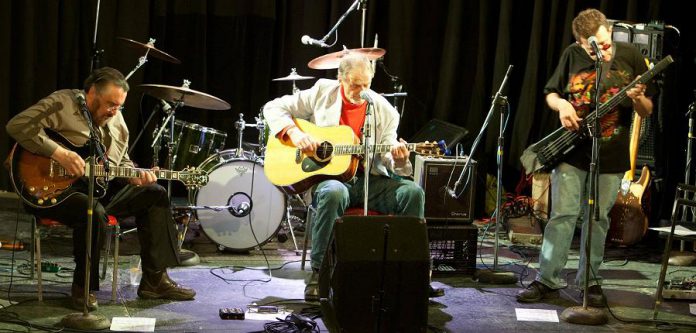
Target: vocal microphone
column 80, row 97
column 306, row 40
column 366, row 96
column 595, row 47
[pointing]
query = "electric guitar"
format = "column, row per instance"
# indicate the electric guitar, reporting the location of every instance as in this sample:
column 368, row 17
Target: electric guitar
column 545, row 154
column 336, row 158
column 42, row 183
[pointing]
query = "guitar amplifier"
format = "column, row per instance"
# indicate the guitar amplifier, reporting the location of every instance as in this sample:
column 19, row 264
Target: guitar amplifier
column 433, row 175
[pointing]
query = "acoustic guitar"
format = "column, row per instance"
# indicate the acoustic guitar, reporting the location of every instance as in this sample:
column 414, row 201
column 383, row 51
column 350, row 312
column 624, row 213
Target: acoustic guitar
column 628, row 221
column 288, row 167
column 42, row 183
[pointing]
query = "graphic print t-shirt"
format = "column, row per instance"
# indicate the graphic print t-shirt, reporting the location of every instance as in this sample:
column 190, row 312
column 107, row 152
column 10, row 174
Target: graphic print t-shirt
column 575, row 78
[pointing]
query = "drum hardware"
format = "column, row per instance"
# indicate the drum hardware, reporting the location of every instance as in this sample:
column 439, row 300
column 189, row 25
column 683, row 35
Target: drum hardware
column 293, row 77
column 149, row 47
column 240, row 124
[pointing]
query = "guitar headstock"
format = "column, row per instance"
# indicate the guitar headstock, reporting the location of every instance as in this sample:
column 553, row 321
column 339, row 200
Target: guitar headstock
column 192, row 177
column 429, row 148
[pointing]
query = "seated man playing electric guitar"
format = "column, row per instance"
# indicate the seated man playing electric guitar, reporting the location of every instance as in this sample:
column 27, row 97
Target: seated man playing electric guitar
column 64, row 112
column 339, row 102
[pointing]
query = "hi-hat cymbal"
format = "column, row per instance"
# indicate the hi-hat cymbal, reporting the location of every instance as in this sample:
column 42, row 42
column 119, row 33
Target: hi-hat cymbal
column 293, row 77
column 152, row 50
column 188, row 97
column 332, row 60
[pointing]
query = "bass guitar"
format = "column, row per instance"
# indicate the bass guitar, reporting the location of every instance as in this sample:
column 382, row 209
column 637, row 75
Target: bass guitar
column 336, row 158
column 545, row 154
column 42, row 183
column 628, row 221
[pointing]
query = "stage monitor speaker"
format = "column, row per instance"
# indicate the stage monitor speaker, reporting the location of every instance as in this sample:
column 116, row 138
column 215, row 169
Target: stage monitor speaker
column 435, row 176
column 375, row 275
column 436, row 130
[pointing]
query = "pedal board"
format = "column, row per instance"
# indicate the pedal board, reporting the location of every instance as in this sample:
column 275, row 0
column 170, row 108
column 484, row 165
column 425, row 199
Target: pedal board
column 680, row 289
column 524, row 231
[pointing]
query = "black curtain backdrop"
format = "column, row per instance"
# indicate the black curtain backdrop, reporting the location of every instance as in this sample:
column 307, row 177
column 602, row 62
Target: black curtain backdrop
column 450, row 56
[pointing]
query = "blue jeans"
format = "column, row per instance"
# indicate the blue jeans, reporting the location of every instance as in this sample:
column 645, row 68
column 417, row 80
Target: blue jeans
column 569, row 191
column 386, row 195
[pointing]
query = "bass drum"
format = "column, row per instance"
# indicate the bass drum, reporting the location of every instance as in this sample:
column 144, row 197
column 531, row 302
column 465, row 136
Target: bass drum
column 253, row 207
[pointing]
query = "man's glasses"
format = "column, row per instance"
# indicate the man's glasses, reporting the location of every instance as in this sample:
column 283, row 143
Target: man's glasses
column 115, row 108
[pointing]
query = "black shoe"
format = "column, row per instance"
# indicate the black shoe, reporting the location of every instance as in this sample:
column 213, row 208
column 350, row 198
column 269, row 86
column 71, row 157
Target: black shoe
column 78, row 299
column 535, row 292
column 159, row 285
column 311, row 291
column 595, row 296
column 436, row 292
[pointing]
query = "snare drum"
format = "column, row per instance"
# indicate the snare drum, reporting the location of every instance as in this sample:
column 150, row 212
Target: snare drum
column 194, row 143
column 256, row 207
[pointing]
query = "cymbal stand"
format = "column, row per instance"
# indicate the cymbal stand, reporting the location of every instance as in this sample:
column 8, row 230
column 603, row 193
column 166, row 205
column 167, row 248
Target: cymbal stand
column 168, row 122
column 239, row 126
column 142, row 60
column 261, row 126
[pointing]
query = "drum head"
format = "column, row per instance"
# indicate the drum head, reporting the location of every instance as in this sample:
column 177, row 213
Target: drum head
column 256, row 207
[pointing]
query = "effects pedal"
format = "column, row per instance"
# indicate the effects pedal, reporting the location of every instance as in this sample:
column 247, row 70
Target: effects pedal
column 684, row 288
column 50, row 267
column 232, row 313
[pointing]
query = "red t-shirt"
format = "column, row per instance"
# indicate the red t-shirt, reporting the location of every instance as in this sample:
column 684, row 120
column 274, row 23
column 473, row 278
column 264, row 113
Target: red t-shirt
column 352, row 115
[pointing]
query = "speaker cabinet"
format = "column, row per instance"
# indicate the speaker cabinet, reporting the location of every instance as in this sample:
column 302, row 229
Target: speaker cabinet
column 376, row 273
column 435, row 176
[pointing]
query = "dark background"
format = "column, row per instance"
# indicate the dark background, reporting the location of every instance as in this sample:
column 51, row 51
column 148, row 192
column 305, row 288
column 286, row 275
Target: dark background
column 449, row 55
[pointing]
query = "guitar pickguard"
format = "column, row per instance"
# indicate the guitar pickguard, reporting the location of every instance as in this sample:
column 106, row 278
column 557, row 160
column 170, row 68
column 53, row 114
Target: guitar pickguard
column 309, row 164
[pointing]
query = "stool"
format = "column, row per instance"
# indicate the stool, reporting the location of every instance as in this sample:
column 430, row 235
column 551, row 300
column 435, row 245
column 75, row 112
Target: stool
column 35, row 255
column 683, row 208
column 114, row 231
column 351, row 211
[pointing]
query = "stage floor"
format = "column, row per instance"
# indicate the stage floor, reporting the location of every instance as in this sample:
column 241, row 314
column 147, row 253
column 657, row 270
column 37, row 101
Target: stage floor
column 235, row 280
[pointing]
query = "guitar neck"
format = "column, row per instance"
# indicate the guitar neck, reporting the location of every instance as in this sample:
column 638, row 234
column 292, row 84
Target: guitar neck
column 360, row 149
column 128, row 172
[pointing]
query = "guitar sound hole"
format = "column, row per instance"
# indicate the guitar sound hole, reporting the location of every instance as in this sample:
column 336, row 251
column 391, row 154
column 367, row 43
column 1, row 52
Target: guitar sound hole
column 324, row 151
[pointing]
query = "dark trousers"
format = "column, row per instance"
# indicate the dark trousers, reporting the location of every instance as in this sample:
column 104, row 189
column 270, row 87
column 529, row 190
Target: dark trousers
column 156, row 229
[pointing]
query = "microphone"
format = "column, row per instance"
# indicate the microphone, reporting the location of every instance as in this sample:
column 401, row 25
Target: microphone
column 81, row 98
column 595, row 46
column 243, row 208
column 165, row 106
column 306, row 40
column 366, row 96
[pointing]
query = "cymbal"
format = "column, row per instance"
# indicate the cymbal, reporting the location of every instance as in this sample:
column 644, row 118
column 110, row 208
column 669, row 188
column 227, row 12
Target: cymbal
column 152, row 50
column 332, row 60
column 293, row 77
column 186, row 96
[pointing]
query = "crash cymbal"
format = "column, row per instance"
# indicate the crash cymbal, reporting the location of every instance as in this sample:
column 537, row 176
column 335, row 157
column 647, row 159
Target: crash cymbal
column 150, row 46
column 293, row 76
column 183, row 94
column 331, row 60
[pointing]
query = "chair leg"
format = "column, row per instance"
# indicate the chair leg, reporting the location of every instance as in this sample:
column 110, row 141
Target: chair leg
column 114, row 281
column 308, row 233
column 107, row 249
column 37, row 253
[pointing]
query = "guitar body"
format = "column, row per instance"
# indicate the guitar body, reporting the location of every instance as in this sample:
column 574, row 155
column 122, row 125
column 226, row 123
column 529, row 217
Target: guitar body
column 286, row 166
column 37, row 180
column 628, row 221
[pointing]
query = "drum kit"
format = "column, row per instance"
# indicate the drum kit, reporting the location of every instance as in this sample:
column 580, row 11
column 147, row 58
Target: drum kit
column 238, row 209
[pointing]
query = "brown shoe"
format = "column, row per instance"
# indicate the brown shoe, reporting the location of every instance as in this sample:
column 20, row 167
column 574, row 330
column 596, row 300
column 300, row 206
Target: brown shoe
column 159, row 285
column 78, row 299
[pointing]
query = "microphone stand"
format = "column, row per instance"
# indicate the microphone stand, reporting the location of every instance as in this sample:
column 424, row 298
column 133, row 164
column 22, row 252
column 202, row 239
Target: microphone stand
column 490, row 276
column 340, row 20
column 585, row 315
column 86, row 320
column 363, row 8
column 96, row 53
column 367, row 128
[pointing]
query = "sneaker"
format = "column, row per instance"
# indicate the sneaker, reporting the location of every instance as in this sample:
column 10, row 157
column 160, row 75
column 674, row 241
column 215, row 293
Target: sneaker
column 535, row 292
column 595, row 296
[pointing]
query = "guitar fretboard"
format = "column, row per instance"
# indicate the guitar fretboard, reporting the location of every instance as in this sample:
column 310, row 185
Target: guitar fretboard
column 360, row 149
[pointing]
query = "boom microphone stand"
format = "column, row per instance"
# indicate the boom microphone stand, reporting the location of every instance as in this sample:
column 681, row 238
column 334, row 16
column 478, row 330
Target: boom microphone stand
column 491, row 276
column 585, row 315
column 86, row 320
